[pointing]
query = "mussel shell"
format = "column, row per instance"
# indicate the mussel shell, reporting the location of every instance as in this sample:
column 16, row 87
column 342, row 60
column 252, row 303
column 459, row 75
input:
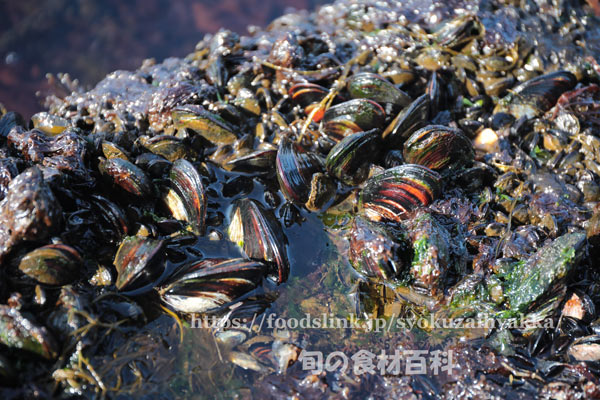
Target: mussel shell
column 545, row 90
column 157, row 166
column 137, row 263
column 353, row 116
column 111, row 150
column 127, row 176
column 389, row 195
column 459, row 31
column 408, row 120
column 186, row 197
column 208, row 284
column 536, row 95
column 350, row 156
column 259, row 160
column 50, row 124
column 439, row 148
column 374, row 252
column 170, row 147
column 371, row 86
column 54, row 264
column 210, row 126
column 9, row 121
column 305, row 93
column 112, row 215
column 435, row 93
column 256, row 230
column 19, row 333
column 545, row 269
column 295, row 168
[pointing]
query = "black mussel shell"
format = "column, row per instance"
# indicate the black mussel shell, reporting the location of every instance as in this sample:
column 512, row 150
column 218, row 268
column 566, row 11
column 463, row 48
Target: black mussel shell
column 54, row 264
column 208, row 125
column 256, row 230
column 394, row 192
column 408, row 120
column 186, row 196
column 208, row 284
column 375, row 252
column 138, row 262
column 127, row 176
column 295, row 168
column 349, row 159
column 374, row 87
column 439, row 147
column 352, row 116
column 22, row 334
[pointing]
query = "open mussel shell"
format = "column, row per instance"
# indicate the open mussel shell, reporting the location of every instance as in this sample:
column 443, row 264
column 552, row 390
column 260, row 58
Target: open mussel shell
column 127, row 176
column 375, row 252
column 352, row 116
column 54, row 264
column 295, row 168
column 257, row 231
column 208, row 284
column 439, row 148
column 371, row 86
column 536, row 95
column 138, row 262
column 349, row 159
column 407, row 121
column 394, row 192
column 208, row 125
column 186, row 196
column 22, row 334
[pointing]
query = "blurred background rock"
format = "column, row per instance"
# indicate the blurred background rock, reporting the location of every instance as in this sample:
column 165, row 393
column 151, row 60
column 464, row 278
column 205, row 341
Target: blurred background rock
column 90, row 38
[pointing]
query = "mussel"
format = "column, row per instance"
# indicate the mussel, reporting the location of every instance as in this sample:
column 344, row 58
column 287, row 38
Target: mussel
column 48, row 123
column 394, row 192
column 530, row 280
column 296, row 168
column 210, row 126
column 138, row 262
column 186, row 196
column 459, row 31
column 537, row 95
column 371, row 86
column 29, row 212
column 170, row 147
column 127, row 176
column 20, row 333
column 439, row 148
column 261, row 160
column 352, row 116
column 54, row 264
column 376, row 251
column 407, row 121
column 349, row 159
column 308, row 95
column 257, row 231
column 206, row 285
column 431, row 244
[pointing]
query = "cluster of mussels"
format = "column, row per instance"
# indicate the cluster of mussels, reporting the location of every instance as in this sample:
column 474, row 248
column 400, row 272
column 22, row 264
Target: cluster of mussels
column 468, row 165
